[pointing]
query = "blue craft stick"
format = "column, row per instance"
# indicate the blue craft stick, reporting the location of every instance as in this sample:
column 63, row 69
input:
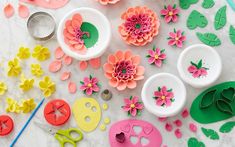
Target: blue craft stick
column 231, row 4
column 26, row 124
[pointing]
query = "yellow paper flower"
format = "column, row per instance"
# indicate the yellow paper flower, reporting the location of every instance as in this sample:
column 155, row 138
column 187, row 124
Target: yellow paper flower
column 41, row 53
column 14, row 67
column 3, row 88
column 13, row 106
column 26, row 84
column 23, row 53
column 27, row 105
column 47, row 86
column 36, row 70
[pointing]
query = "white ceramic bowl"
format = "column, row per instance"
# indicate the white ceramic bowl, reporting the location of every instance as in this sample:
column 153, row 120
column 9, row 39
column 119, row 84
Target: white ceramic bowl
column 103, row 26
column 171, row 82
column 211, row 60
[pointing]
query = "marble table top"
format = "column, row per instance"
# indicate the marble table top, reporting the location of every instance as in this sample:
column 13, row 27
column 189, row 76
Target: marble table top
column 14, row 34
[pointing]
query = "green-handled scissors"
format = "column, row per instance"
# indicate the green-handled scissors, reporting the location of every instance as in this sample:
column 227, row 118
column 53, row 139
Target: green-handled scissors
column 63, row 136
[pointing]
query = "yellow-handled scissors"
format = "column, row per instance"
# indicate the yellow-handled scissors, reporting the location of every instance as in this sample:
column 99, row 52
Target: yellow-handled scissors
column 63, row 136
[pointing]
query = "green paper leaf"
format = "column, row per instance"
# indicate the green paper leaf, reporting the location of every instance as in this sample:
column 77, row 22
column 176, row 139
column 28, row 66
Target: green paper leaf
column 220, row 18
column 208, row 4
column 196, row 19
column 185, row 4
column 227, row 127
column 193, row 142
column 93, row 34
column 232, row 34
column 212, row 134
column 199, row 65
column 224, row 106
column 82, row 82
column 209, row 39
column 193, row 64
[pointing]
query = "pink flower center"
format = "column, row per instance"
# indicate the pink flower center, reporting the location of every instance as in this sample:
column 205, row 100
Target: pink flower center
column 170, row 13
column 132, row 105
column 124, row 70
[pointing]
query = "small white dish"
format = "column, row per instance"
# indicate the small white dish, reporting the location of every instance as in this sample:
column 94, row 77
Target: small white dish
column 103, row 26
column 171, row 82
column 211, row 61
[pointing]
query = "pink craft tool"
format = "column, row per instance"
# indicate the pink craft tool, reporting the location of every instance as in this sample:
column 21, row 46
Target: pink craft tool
column 123, row 134
column 51, row 4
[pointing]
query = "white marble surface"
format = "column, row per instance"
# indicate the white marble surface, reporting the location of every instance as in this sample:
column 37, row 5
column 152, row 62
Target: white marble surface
column 13, row 34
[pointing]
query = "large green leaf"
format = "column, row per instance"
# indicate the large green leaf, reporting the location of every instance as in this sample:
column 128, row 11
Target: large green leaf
column 232, row 34
column 193, row 142
column 212, row 134
column 220, row 18
column 185, row 4
column 209, row 39
column 196, row 19
column 227, row 127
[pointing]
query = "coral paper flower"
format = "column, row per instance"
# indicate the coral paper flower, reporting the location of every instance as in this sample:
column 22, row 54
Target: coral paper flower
column 132, row 106
column 36, row 70
column 176, row 38
column 140, row 26
column 3, row 88
column 47, row 86
column 90, row 85
column 197, row 70
column 156, row 56
column 106, row 2
column 163, row 96
column 123, row 70
column 23, row 53
column 41, row 53
column 14, row 67
column 73, row 35
column 27, row 105
column 170, row 13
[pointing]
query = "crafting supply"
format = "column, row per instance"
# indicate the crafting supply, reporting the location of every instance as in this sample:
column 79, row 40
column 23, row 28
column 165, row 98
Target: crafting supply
column 105, row 106
column 57, row 112
column 49, row 4
column 120, row 137
column 41, row 26
column 27, row 122
column 6, row 125
column 63, row 136
column 231, row 4
column 106, row 95
column 102, row 127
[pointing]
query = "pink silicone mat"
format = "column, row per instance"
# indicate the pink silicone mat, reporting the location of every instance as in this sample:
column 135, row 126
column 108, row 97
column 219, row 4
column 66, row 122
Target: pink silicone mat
column 51, row 4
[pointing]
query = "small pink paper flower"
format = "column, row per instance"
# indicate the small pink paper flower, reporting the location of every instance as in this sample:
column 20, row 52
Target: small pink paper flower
column 197, row 70
column 140, row 26
column 176, row 38
column 163, row 96
column 170, row 13
column 73, row 35
column 133, row 106
column 90, row 85
column 156, row 56
column 106, row 2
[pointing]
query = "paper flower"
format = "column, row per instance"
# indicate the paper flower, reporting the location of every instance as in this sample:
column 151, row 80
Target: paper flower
column 140, row 26
column 14, row 68
column 13, row 106
column 156, row 56
column 176, row 38
column 3, row 88
column 90, row 85
column 36, row 70
column 23, row 53
column 73, row 35
column 133, row 106
column 28, row 105
column 26, row 84
column 163, row 96
column 47, row 86
column 41, row 53
column 106, row 2
column 197, row 70
column 170, row 13
column 123, row 70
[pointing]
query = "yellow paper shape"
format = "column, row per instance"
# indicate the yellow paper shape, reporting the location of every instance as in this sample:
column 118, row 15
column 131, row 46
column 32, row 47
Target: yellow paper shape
column 41, row 53
column 27, row 105
column 26, row 84
column 87, row 113
column 23, row 53
column 3, row 88
column 36, row 70
column 12, row 106
column 47, row 86
column 14, row 68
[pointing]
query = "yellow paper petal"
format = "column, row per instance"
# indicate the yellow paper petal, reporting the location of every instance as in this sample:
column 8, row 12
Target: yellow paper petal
column 36, row 70
column 26, row 84
column 47, row 86
column 3, row 88
column 14, row 68
column 41, row 53
column 23, row 53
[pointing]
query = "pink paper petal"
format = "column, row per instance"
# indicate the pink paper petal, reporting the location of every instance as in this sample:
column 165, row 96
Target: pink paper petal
column 59, row 53
column 23, row 11
column 72, row 87
column 168, row 127
column 178, row 123
column 55, row 66
column 193, row 127
column 178, row 133
column 95, row 63
column 8, row 10
column 185, row 113
column 162, row 119
column 65, row 76
column 83, row 65
column 68, row 60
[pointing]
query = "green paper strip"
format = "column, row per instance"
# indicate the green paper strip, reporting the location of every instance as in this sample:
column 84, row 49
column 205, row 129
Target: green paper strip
column 208, row 4
column 193, row 142
column 212, row 134
column 227, row 127
column 209, row 39
column 220, row 18
column 196, row 19
column 93, row 34
column 185, row 4
column 232, row 34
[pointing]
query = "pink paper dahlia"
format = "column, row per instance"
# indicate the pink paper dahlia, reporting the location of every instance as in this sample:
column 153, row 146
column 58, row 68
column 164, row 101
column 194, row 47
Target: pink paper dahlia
column 106, row 2
column 140, row 26
column 123, row 70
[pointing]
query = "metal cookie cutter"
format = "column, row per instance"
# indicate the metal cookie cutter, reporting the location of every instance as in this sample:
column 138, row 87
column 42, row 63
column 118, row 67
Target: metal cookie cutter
column 106, row 95
column 41, row 26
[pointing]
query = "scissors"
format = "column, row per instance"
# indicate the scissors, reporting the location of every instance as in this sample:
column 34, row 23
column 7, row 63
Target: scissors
column 63, row 136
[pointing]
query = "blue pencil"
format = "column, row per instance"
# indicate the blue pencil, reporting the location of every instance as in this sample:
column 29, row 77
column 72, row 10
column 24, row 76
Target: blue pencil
column 26, row 124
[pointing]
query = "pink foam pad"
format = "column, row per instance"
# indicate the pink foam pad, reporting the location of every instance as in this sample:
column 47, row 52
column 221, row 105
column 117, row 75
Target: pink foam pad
column 51, row 4
column 148, row 131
